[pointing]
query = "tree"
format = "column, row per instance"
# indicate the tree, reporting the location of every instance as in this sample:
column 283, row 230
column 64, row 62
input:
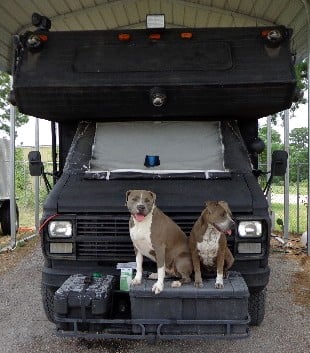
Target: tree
column 298, row 153
column 299, row 138
column 21, row 119
column 301, row 71
column 276, row 143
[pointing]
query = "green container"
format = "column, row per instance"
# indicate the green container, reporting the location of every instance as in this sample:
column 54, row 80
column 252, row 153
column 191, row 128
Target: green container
column 125, row 279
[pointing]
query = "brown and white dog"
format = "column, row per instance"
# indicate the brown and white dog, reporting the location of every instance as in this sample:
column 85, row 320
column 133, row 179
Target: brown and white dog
column 208, row 242
column 159, row 238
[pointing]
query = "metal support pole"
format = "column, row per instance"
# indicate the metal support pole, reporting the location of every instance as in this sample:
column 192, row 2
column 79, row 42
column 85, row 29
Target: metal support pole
column 287, row 177
column 308, row 199
column 12, row 174
column 307, row 10
column 298, row 194
column 269, row 155
column 37, row 181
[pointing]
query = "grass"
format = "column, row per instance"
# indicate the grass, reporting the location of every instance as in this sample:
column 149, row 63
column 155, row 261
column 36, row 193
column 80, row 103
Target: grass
column 279, row 189
column 278, row 210
column 27, row 217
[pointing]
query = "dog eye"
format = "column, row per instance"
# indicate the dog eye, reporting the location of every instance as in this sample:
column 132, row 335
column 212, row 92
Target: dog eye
column 146, row 200
column 135, row 199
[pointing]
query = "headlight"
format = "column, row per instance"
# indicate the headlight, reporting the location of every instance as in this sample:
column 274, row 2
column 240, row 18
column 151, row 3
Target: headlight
column 251, row 229
column 60, row 229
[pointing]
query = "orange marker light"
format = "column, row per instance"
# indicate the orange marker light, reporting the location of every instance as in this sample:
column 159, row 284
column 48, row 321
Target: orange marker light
column 43, row 37
column 124, row 37
column 265, row 33
column 154, row 36
column 186, row 35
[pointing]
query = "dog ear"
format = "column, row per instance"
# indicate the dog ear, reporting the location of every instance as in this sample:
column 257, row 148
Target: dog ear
column 209, row 205
column 225, row 206
column 153, row 195
column 127, row 194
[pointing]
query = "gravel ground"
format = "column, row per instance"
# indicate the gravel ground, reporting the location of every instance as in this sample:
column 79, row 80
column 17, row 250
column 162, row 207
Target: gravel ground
column 24, row 328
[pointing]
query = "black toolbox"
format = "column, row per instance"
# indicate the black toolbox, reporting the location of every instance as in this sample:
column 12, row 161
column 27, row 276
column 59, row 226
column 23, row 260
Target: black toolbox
column 188, row 310
column 83, row 297
column 211, row 74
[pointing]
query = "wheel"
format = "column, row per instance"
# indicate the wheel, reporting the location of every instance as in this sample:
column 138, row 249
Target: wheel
column 48, row 301
column 6, row 220
column 257, row 307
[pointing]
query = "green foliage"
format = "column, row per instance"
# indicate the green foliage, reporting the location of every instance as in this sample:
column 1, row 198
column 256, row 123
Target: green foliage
column 299, row 138
column 278, row 210
column 301, row 71
column 21, row 176
column 298, row 154
column 21, row 119
column 276, row 143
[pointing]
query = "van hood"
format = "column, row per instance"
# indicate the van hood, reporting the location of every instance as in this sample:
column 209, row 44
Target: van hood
column 79, row 195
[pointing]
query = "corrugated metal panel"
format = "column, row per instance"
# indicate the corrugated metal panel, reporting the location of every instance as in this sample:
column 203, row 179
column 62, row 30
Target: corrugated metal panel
column 15, row 16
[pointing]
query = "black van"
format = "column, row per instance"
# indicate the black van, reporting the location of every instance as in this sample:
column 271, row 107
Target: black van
column 190, row 97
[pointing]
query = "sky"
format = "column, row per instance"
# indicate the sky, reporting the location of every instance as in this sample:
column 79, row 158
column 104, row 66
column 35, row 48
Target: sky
column 300, row 119
column 26, row 133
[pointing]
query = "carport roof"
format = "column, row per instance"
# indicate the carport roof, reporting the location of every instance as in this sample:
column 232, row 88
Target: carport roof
column 15, row 16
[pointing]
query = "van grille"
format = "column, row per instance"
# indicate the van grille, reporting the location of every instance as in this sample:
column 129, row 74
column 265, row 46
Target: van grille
column 106, row 237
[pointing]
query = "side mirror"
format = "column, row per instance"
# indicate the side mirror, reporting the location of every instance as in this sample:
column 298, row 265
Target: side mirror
column 279, row 163
column 35, row 163
column 278, row 167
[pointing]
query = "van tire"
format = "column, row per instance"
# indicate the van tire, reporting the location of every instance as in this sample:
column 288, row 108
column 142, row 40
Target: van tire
column 48, row 301
column 257, row 307
column 6, row 220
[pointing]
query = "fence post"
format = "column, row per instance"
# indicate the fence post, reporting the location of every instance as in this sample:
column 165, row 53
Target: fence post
column 286, row 178
column 37, row 181
column 297, row 192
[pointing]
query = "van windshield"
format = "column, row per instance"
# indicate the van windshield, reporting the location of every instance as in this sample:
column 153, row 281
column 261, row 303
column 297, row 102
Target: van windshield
column 180, row 146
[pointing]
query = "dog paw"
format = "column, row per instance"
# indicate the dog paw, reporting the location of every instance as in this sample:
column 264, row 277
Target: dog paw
column 135, row 281
column 176, row 284
column 198, row 284
column 153, row 275
column 219, row 285
column 157, row 287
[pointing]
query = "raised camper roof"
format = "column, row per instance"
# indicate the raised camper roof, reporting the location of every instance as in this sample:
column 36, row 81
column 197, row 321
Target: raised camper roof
column 213, row 73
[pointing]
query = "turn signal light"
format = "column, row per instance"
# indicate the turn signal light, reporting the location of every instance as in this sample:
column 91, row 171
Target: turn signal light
column 124, row 37
column 154, row 36
column 186, row 35
column 264, row 33
column 43, row 37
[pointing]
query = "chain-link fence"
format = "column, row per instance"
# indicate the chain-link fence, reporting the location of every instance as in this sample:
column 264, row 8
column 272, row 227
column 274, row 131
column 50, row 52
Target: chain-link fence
column 25, row 185
column 298, row 203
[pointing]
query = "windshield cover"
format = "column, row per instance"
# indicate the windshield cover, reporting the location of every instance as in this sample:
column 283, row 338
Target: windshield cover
column 180, row 146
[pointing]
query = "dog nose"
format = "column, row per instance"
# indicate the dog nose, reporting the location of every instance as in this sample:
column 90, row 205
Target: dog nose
column 140, row 208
